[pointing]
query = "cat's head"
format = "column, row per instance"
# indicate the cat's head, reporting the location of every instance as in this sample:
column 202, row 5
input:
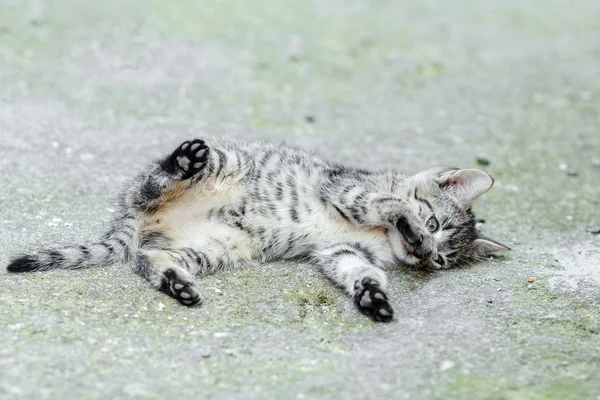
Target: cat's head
column 442, row 198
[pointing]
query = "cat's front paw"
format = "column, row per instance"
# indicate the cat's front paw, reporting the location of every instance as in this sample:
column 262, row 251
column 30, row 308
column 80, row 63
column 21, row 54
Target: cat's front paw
column 372, row 301
column 419, row 242
column 181, row 288
column 188, row 159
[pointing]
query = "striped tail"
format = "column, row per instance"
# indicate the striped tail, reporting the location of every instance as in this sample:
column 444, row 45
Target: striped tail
column 117, row 245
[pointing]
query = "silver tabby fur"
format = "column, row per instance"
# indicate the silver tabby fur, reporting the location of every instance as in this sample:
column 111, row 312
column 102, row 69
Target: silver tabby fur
column 216, row 204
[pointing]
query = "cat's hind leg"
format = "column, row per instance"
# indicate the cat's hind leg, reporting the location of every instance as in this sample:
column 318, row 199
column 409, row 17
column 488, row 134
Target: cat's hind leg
column 356, row 266
column 172, row 270
column 163, row 270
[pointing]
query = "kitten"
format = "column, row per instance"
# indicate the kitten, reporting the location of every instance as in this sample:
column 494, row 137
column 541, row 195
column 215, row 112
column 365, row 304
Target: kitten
column 214, row 204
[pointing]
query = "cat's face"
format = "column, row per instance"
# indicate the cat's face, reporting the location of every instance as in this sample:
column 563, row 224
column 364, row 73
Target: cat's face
column 442, row 198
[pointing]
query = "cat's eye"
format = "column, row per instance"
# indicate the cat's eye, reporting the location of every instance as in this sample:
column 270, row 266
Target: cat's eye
column 432, row 224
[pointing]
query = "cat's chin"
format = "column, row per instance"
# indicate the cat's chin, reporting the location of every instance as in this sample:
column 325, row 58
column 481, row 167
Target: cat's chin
column 400, row 250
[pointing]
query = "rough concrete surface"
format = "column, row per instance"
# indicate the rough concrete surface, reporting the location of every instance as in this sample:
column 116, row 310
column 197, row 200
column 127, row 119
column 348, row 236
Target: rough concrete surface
column 92, row 90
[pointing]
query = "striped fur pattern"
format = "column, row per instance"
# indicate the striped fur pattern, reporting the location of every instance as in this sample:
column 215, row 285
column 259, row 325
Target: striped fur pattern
column 215, row 204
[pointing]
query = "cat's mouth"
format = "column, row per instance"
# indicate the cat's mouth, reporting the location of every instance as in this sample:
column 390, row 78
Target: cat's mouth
column 403, row 252
column 409, row 258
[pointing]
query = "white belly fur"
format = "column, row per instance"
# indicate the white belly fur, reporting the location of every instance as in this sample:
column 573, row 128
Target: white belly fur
column 185, row 220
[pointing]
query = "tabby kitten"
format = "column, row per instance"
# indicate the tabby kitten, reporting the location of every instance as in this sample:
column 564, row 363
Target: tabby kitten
column 214, row 204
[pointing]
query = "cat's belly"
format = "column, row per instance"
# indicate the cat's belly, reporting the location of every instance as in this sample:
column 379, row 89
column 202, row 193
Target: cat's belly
column 184, row 216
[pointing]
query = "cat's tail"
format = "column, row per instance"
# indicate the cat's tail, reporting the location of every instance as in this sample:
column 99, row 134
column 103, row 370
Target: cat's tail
column 119, row 244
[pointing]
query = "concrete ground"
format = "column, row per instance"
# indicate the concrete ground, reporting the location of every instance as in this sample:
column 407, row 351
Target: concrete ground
column 92, row 90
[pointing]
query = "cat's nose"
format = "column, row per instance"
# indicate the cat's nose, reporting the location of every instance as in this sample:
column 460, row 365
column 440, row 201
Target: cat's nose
column 423, row 254
column 425, row 250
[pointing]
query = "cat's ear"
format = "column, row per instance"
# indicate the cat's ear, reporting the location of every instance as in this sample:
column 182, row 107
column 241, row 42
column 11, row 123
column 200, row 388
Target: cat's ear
column 484, row 246
column 465, row 185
